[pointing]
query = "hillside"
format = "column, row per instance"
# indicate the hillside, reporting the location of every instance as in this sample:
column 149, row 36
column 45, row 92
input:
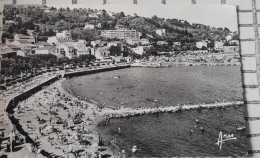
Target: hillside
column 47, row 21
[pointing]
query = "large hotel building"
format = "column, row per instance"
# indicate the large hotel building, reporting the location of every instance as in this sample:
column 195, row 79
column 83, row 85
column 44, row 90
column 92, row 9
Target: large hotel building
column 121, row 34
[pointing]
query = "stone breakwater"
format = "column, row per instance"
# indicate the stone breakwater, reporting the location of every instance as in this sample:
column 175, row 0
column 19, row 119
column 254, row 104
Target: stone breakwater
column 127, row 112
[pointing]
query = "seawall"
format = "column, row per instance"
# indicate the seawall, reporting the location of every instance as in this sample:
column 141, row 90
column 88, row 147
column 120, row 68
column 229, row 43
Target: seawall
column 13, row 103
column 93, row 71
column 20, row 97
column 23, row 96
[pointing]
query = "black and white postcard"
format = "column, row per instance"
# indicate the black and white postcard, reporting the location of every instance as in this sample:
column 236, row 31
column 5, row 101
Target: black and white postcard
column 121, row 81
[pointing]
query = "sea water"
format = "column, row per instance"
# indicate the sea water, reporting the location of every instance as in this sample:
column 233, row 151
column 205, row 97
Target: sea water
column 169, row 134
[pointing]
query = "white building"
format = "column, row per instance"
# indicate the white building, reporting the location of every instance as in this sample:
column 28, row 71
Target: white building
column 114, row 43
column 61, row 37
column 161, row 32
column 132, row 41
column 228, row 38
column 176, row 43
column 95, row 43
column 234, row 42
column 201, row 44
column 162, row 43
column 138, row 50
column 144, row 42
column 121, row 34
column 89, row 26
column 219, row 46
column 20, row 37
column 46, row 50
column 99, row 25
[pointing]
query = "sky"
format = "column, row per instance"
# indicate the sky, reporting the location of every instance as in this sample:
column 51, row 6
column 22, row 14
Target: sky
column 213, row 15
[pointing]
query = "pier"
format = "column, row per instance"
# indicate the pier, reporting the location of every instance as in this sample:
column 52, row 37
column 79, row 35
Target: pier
column 128, row 112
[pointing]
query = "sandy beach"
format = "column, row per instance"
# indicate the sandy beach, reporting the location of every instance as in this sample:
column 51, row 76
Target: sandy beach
column 66, row 126
column 62, row 124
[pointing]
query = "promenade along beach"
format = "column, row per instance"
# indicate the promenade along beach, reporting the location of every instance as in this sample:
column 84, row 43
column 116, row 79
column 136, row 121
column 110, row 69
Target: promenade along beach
column 154, row 109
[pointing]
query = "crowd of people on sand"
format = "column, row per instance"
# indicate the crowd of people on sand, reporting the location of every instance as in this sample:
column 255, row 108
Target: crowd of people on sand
column 61, row 124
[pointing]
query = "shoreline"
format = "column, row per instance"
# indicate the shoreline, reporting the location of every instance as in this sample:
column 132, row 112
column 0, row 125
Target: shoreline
column 97, row 115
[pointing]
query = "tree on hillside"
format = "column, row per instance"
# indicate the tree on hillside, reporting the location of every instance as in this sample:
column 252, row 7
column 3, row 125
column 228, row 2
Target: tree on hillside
column 115, row 50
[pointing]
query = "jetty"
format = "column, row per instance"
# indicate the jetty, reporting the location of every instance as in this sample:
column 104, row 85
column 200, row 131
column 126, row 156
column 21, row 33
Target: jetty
column 128, row 112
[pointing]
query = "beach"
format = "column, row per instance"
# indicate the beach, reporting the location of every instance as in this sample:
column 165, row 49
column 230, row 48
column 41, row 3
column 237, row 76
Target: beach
column 61, row 123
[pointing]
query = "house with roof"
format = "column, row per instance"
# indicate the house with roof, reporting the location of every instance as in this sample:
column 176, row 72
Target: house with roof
column 61, row 37
column 99, row 25
column 89, row 26
column 160, row 43
column 46, row 50
column 229, row 37
column 42, row 44
column 100, row 52
column 95, row 43
column 72, row 49
column 177, row 43
column 25, row 38
column 219, row 46
column 160, row 32
column 114, row 43
column 138, row 50
column 201, row 44
column 234, row 42
column 144, row 42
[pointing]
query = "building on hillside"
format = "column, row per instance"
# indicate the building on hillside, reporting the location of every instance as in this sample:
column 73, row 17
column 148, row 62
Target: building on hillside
column 20, row 37
column 52, row 40
column 120, row 27
column 160, row 32
column 100, row 52
column 144, row 42
column 121, row 34
column 114, row 43
column 42, row 44
column 219, row 46
column 138, row 50
column 23, row 52
column 160, row 43
column 234, row 42
column 99, row 25
column 177, row 43
column 201, row 44
column 61, row 37
column 30, row 32
column 72, row 49
column 231, row 49
column 8, row 53
column 64, row 36
column 89, row 26
column 96, row 43
column 93, row 15
column 132, row 41
column 47, row 50
column 228, row 38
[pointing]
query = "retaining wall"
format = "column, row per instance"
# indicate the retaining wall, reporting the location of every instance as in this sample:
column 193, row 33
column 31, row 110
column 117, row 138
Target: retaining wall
column 93, row 71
